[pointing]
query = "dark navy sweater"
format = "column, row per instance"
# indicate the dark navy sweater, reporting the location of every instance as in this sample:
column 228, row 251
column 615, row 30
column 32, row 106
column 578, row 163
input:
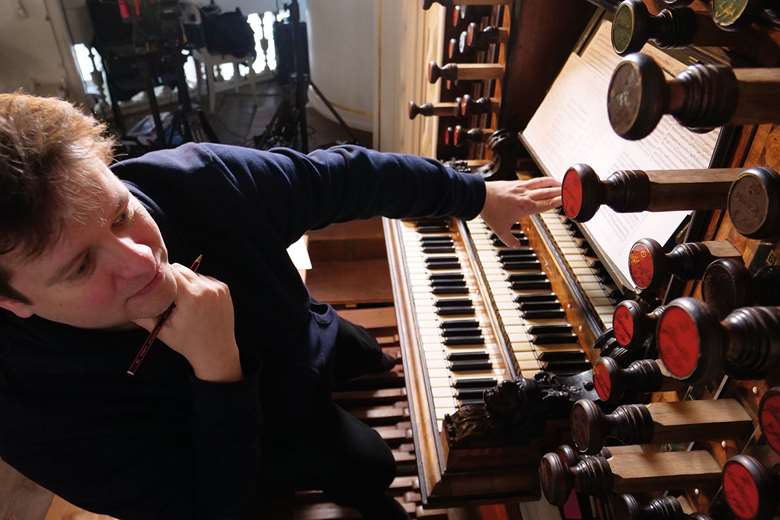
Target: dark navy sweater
column 164, row 444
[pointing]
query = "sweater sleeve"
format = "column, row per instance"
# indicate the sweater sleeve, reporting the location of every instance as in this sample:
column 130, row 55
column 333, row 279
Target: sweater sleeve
column 134, row 461
column 302, row 192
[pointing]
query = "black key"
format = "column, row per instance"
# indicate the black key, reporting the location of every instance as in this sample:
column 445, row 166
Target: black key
column 542, row 315
column 594, row 263
column 437, row 243
column 548, row 297
column 563, row 328
column 453, row 302
column 553, row 339
column 475, row 382
column 526, row 277
column 436, row 266
column 433, row 229
column 459, row 324
column 530, row 286
column 466, row 366
column 434, row 250
column 472, row 331
column 440, row 259
column 464, row 340
column 454, row 311
column 471, row 395
column 516, row 234
column 512, row 253
column 450, row 291
column 498, row 243
column 540, row 306
column 468, row 356
column 445, row 276
column 476, row 402
column 517, row 226
column 522, row 265
column 448, row 283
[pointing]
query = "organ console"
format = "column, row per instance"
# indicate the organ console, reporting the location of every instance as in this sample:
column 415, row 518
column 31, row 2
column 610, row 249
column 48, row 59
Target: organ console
column 701, row 97
column 633, row 26
column 691, row 380
column 636, row 190
column 651, row 267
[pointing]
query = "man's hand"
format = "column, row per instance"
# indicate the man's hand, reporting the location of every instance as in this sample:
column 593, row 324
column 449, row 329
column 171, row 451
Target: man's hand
column 201, row 326
column 507, row 201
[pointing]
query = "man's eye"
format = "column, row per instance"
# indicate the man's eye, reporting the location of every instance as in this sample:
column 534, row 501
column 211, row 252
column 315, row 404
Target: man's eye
column 123, row 218
column 83, row 269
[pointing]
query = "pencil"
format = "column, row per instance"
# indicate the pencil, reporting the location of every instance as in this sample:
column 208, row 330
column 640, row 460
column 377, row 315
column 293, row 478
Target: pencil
column 139, row 357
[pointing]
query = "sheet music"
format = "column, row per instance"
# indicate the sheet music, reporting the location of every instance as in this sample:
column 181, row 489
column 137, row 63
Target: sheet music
column 571, row 126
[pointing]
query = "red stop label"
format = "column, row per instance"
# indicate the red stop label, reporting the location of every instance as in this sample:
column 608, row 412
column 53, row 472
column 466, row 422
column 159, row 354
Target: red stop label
column 572, row 194
column 623, row 325
column 741, row 491
column 769, row 415
column 640, row 265
column 678, row 342
column 602, row 381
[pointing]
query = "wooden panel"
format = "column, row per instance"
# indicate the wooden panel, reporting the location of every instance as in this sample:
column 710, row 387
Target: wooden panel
column 351, row 282
column 544, row 34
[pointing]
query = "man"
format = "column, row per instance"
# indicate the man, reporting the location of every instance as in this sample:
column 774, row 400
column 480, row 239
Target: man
column 234, row 395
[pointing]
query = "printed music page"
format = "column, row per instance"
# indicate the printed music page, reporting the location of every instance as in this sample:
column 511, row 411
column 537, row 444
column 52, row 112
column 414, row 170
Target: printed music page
column 571, row 126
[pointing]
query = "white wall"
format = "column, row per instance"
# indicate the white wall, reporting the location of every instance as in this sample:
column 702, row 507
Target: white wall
column 342, row 51
column 34, row 54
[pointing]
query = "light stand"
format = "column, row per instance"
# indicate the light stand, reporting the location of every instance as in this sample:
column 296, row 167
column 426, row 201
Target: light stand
column 289, row 126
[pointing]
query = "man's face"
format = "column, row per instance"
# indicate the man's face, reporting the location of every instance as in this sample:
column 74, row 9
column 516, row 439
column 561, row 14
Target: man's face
column 105, row 272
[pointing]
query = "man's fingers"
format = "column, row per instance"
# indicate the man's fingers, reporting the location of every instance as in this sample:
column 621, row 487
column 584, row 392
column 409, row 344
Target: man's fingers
column 541, row 182
column 544, row 193
column 550, row 203
column 185, row 272
column 509, row 239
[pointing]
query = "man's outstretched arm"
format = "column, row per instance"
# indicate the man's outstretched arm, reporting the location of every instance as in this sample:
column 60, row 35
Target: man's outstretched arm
column 305, row 192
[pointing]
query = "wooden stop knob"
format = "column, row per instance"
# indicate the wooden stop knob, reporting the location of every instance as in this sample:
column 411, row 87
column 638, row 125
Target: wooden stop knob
column 750, row 488
column 627, row 507
column 769, row 417
column 690, row 340
column 753, row 203
column 582, row 192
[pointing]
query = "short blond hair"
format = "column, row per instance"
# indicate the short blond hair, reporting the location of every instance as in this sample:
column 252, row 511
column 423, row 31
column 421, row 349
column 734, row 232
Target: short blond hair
column 45, row 146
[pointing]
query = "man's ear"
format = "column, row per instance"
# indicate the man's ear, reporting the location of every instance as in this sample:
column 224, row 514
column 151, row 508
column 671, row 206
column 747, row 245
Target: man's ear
column 21, row 309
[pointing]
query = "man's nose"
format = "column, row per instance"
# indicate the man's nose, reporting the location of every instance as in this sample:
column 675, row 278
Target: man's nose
column 132, row 259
